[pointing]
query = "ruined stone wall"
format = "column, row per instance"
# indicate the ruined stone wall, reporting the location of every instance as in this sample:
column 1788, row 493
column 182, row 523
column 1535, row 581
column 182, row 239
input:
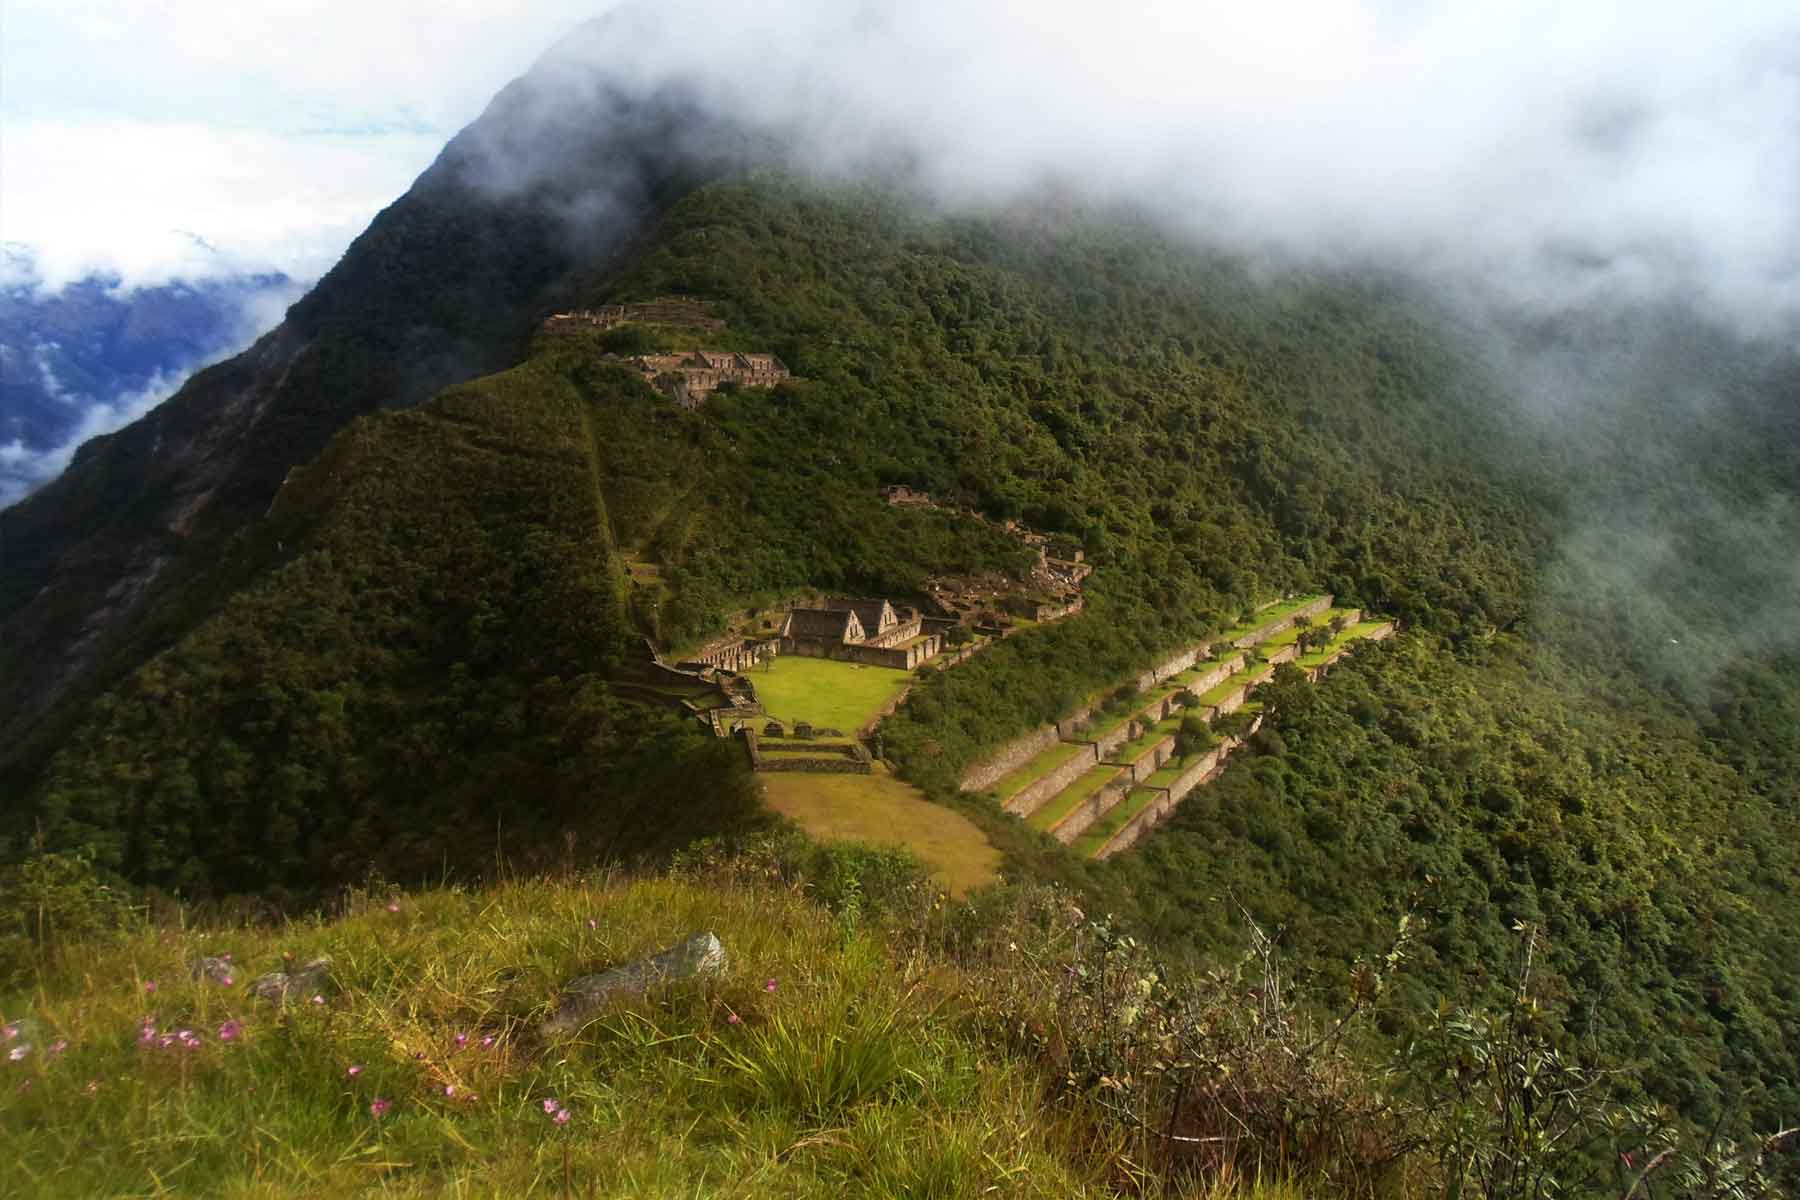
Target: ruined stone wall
column 1030, row 799
column 1068, row 727
column 1286, row 654
column 905, row 631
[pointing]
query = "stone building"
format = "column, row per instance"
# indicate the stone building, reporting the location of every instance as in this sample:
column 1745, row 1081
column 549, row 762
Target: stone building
column 899, row 493
column 690, row 376
column 872, row 632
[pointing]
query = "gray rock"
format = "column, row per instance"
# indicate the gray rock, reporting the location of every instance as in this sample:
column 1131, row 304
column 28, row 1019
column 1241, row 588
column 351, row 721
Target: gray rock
column 699, row 957
column 309, row 980
column 219, row 970
column 19, row 1040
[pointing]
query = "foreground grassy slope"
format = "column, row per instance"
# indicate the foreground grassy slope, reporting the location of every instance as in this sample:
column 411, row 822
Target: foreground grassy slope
column 821, row 1064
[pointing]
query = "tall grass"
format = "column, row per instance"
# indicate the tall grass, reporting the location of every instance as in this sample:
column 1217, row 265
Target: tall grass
column 818, row 1065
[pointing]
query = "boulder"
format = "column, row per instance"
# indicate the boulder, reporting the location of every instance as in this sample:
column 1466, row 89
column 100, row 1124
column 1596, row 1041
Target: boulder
column 701, row 956
column 219, row 970
column 309, row 980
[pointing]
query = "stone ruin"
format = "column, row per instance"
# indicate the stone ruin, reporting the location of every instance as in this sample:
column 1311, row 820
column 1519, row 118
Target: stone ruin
column 665, row 310
column 871, row 632
column 690, row 376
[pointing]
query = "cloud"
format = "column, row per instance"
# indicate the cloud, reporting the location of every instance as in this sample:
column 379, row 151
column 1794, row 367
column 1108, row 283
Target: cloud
column 24, row 469
column 1554, row 150
column 271, row 132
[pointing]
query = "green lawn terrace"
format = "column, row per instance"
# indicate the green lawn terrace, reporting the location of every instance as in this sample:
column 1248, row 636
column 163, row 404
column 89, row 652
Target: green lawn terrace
column 1060, row 806
column 1095, row 837
column 1291, row 634
column 1146, row 742
column 1360, row 632
column 1011, row 785
column 1217, row 695
column 1166, row 775
column 823, row 692
column 1273, row 615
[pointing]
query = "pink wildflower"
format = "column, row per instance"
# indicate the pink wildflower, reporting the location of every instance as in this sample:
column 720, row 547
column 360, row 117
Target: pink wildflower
column 769, row 986
column 734, row 1019
column 165, row 1042
column 18, row 1053
column 226, row 982
column 562, row 1116
column 461, row 1039
column 449, row 1089
column 487, row 1041
column 355, row 1070
column 550, row 1105
column 230, row 1031
column 593, row 924
column 150, row 987
column 8, row 1032
column 378, row 1108
column 318, row 999
column 147, row 1034
column 393, row 906
column 58, row 1046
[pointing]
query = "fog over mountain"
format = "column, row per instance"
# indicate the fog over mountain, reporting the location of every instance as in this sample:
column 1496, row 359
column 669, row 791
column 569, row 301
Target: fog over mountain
column 1537, row 165
column 92, row 356
column 1608, row 206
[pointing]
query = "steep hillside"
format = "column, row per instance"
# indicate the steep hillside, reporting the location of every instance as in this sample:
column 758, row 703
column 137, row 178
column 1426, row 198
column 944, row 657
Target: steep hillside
column 123, row 552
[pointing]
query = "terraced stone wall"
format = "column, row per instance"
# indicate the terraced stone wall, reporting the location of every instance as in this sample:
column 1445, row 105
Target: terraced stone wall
column 1149, row 764
column 1029, row 799
column 1093, row 808
column 1269, row 629
column 1009, row 758
column 1203, row 771
column 1168, row 670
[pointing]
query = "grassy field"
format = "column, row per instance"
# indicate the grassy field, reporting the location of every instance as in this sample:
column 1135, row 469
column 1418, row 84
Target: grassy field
column 836, row 695
column 1108, row 826
column 1072, row 797
column 879, row 808
column 1012, row 784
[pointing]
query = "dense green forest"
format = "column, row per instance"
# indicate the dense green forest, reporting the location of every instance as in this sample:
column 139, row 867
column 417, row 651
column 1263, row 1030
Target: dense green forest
column 423, row 679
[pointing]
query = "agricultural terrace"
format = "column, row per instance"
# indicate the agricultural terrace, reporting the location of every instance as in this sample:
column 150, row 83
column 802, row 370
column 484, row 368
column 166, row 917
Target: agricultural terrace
column 1179, row 775
column 1094, row 838
column 1072, row 797
column 824, row 693
column 880, row 809
column 1011, row 785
